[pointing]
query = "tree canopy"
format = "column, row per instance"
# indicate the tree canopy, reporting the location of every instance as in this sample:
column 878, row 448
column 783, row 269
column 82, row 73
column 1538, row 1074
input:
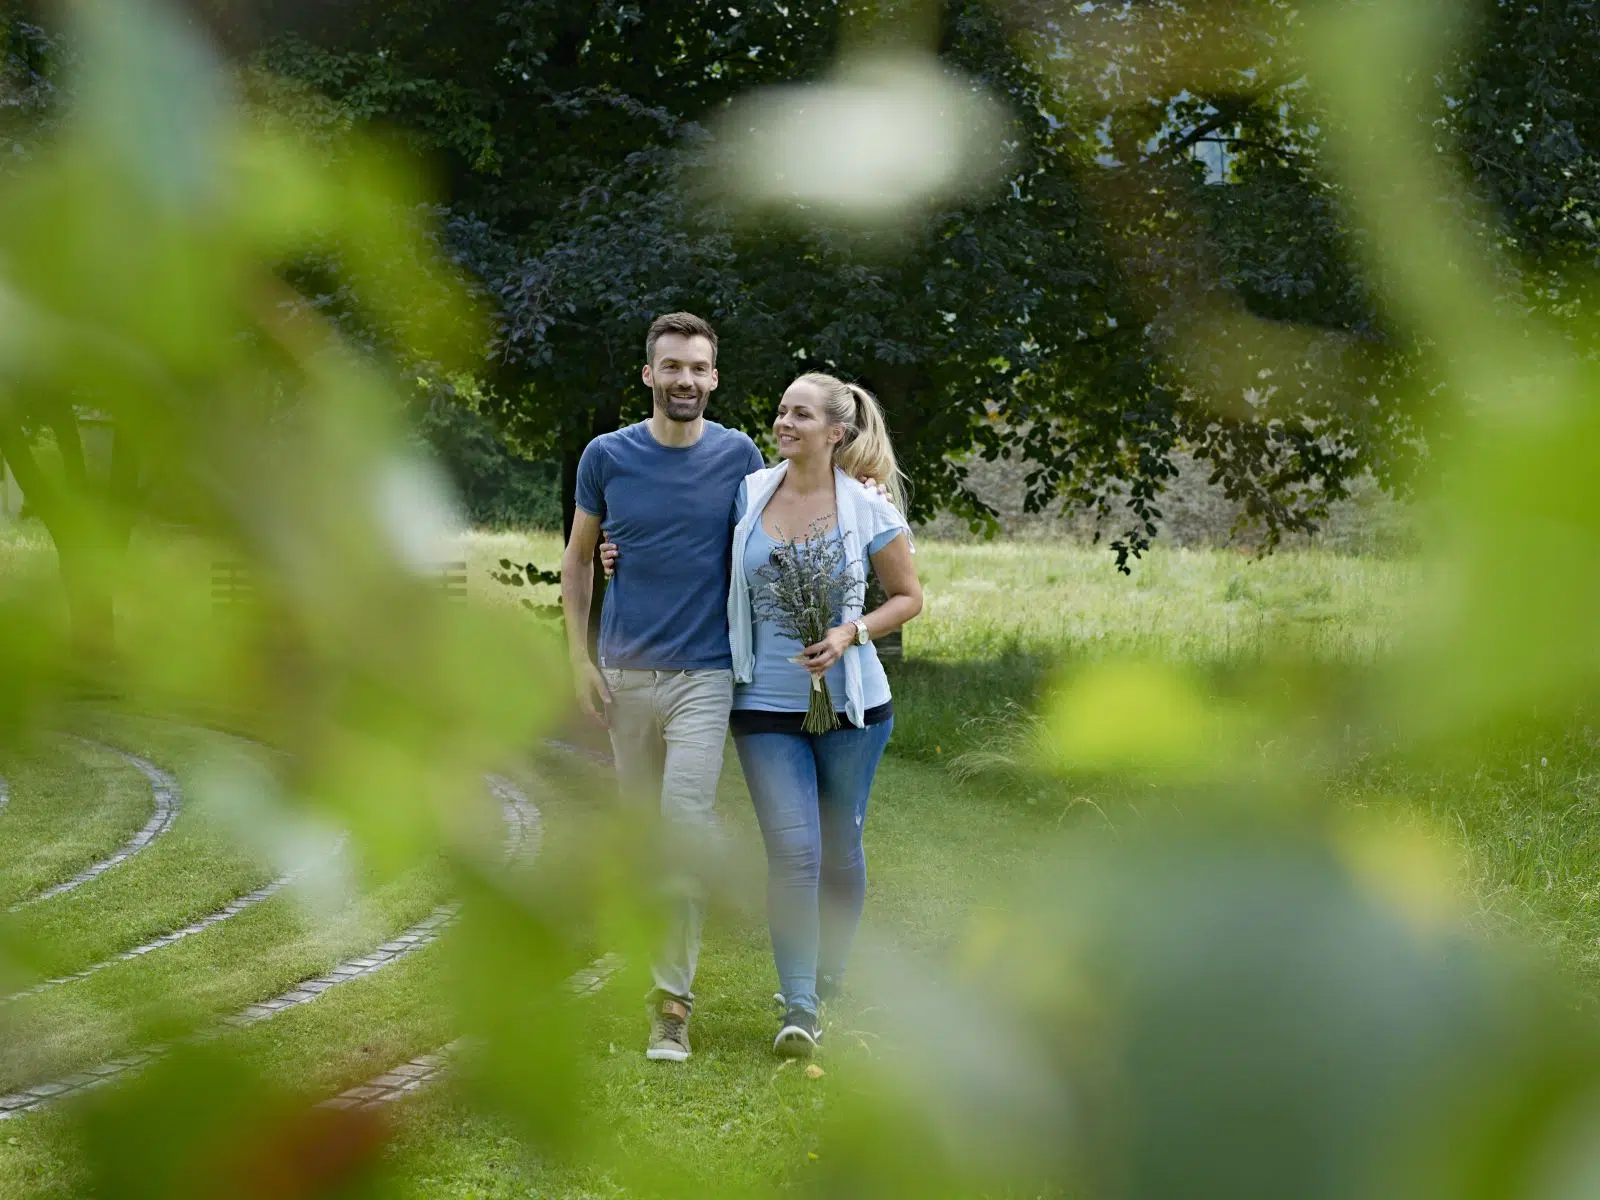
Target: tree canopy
column 1166, row 265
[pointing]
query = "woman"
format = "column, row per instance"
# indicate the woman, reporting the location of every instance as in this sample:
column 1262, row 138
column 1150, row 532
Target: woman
column 811, row 790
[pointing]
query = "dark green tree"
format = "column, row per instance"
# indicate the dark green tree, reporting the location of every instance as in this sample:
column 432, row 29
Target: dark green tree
column 573, row 141
column 30, row 61
column 1167, row 266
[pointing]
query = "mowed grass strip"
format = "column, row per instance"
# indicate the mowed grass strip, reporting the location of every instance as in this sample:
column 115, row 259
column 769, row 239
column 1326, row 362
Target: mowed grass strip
column 731, row 1118
column 255, row 955
column 71, row 806
column 261, row 953
column 348, row 1035
column 189, row 872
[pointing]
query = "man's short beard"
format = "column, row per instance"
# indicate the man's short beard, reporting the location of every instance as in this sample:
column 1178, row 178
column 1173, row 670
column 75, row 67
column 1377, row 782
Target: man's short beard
column 674, row 406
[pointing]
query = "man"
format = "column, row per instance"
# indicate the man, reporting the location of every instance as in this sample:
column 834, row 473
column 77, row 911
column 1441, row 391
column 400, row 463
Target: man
column 664, row 490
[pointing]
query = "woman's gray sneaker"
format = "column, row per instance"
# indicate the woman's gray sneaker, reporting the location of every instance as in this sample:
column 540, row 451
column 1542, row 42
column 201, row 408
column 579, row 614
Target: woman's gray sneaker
column 827, row 989
column 669, row 1028
column 799, row 1036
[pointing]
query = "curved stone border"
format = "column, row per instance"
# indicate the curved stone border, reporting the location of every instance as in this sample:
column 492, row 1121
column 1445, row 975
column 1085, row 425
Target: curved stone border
column 523, row 821
column 396, row 1083
column 423, row 933
column 232, row 909
column 399, row 1083
column 596, row 975
column 226, row 913
column 524, row 826
column 168, row 799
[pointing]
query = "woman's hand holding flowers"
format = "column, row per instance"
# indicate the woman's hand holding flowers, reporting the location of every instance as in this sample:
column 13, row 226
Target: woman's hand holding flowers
column 820, row 657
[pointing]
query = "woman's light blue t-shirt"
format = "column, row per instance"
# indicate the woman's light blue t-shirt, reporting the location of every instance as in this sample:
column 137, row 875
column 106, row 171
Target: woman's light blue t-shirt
column 778, row 685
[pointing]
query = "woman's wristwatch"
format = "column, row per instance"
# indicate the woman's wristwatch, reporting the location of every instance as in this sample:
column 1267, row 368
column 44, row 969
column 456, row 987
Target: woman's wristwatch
column 863, row 634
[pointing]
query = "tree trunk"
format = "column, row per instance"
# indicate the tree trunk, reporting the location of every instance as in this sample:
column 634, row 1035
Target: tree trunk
column 89, row 606
column 86, row 542
column 122, row 487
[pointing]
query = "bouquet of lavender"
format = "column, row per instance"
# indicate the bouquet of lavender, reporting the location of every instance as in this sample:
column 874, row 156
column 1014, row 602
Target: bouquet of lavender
column 803, row 591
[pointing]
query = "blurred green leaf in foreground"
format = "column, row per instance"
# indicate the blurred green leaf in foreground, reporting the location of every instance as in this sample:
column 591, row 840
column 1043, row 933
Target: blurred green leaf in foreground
column 1243, row 1000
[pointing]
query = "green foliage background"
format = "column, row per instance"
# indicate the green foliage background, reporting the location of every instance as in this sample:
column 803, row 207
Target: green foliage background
column 1246, row 993
column 497, row 488
column 1111, row 300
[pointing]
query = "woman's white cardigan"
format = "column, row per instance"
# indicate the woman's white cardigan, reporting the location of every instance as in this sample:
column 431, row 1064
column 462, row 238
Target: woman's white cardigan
column 863, row 515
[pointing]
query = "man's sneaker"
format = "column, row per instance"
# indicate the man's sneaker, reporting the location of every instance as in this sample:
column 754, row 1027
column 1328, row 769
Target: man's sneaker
column 799, row 1036
column 669, row 1028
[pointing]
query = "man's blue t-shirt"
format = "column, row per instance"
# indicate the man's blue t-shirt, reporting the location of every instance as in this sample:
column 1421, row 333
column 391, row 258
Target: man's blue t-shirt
column 669, row 509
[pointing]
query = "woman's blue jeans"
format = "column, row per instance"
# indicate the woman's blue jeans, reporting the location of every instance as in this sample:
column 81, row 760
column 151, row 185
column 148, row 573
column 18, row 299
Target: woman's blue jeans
column 810, row 793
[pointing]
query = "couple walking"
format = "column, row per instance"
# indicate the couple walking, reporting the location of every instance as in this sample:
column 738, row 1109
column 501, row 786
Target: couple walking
column 691, row 516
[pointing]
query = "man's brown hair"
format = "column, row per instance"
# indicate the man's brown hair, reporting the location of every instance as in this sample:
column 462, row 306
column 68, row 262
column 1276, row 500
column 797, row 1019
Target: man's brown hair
column 684, row 324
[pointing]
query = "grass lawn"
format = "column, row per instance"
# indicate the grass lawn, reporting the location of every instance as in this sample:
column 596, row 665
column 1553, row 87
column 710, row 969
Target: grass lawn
column 190, row 872
column 1002, row 616
column 751, row 1122
column 1001, row 619
column 733, row 1119
column 991, row 600
column 70, row 807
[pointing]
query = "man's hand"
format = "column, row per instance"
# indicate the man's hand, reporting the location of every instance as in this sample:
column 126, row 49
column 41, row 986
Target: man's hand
column 872, row 485
column 594, row 697
column 818, row 658
column 609, row 555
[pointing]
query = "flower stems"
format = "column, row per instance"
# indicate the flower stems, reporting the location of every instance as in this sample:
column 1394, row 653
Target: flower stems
column 802, row 590
column 820, row 717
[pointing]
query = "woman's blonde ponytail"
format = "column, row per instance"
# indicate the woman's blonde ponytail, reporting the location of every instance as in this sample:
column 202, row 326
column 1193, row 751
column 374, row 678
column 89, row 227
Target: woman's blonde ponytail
column 865, row 451
column 870, row 453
